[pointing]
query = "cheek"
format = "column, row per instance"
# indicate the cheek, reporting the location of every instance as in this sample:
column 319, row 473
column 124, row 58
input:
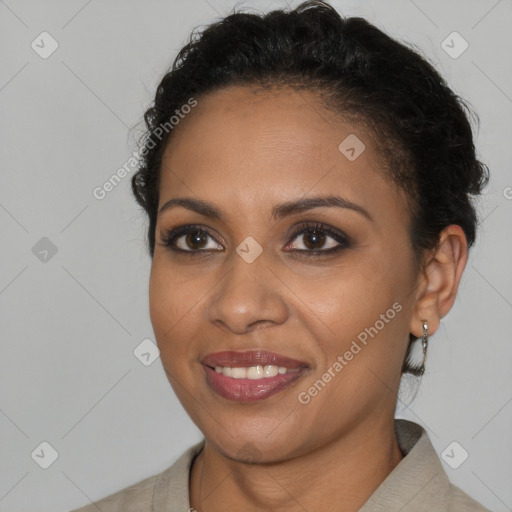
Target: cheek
column 359, row 312
column 161, row 301
column 171, row 293
column 172, row 301
column 348, row 298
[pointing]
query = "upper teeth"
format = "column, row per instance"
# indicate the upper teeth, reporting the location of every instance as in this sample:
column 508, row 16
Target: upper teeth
column 252, row 372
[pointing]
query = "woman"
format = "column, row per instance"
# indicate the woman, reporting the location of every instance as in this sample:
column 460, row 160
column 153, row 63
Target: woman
column 308, row 184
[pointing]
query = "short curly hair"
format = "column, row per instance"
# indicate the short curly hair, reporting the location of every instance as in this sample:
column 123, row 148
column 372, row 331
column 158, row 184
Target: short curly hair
column 419, row 125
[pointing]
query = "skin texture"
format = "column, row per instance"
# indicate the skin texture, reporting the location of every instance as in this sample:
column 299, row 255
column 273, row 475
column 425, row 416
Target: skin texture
column 246, row 151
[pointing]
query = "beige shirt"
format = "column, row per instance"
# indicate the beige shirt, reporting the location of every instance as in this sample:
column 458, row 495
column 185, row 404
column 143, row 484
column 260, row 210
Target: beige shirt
column 417, row 484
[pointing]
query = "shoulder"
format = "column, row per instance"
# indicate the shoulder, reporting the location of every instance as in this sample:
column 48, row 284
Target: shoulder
column 157, row 492
column 458, row 501
column 135, row 497
column 419, row 482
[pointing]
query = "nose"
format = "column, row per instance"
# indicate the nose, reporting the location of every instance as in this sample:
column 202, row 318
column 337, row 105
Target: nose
column 249, row 297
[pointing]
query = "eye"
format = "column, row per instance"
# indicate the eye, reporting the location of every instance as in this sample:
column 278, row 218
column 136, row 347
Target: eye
column 190, row 238
column 319, row 239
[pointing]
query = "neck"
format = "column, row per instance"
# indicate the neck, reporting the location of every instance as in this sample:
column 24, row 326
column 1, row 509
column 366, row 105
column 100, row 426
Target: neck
column 341, row 475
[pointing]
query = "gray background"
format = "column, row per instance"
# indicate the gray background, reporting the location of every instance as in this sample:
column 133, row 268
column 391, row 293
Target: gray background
column 71, row 321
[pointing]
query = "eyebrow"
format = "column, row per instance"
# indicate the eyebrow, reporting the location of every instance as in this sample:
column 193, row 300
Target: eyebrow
column 279, row 211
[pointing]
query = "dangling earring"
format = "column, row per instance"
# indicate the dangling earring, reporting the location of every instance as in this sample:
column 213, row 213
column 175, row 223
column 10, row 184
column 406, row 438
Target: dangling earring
column 424, row 342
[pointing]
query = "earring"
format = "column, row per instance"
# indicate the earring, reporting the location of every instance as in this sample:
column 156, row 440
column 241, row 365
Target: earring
column 424, row 342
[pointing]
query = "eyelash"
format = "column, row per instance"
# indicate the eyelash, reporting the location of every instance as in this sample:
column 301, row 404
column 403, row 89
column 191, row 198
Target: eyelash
column 169, row 239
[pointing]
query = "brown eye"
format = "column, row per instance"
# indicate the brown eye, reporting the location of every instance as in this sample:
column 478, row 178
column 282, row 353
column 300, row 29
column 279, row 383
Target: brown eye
column 314, row 239
column 196, row 240
column 190, row 239
column 318, row 239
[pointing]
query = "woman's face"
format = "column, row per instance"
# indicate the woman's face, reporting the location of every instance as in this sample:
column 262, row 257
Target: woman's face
column 316, row 323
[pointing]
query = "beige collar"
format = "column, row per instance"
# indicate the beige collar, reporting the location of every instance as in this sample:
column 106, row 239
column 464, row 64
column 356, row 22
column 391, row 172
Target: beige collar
column 417, row 483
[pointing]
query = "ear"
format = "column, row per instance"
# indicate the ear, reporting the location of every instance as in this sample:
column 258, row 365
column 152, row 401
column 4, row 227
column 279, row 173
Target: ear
column 439, row 280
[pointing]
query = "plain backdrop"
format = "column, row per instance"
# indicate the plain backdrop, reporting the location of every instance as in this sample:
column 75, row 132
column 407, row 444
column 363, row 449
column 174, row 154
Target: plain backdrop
column 74, row 269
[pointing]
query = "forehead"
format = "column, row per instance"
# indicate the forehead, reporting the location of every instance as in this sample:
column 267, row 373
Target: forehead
column 246, row 145
column 263, row 123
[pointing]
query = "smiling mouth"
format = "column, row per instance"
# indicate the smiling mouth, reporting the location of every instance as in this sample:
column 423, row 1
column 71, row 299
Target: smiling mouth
column 252, row 375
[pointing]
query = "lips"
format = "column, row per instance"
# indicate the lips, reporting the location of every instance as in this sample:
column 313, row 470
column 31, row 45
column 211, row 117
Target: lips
column 250, row 389
column 250, row 358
